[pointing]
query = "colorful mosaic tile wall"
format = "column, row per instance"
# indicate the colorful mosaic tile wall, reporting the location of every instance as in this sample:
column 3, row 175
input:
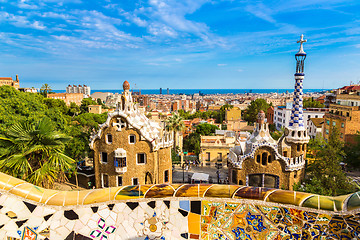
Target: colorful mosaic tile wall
column 173, row 212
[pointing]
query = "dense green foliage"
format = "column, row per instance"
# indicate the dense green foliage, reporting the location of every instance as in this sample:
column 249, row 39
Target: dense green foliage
column 325, row 175
column 353, row 153
column 192, row 141
column 27, row 108
column 310, row 103
column 219, row 116
column 250, row 113
column 35, row 152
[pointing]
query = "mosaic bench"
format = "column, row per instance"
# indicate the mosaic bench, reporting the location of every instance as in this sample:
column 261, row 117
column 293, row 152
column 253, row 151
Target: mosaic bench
column 174, row 211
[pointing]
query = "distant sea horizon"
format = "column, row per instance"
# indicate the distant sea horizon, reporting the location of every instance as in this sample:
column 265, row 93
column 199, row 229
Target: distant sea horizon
column 202, row 91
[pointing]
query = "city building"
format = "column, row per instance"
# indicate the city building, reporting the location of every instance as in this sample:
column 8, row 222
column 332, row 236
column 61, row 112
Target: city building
column 95, row 109
column 264, row 162
column 282, row 115
column 270, row 115
column 214, row 150
column 79, row 89
column 344, row 114
column 314, row 127
column 129, row 149
column 10, row 82
column 233, row 120
column 68, row 97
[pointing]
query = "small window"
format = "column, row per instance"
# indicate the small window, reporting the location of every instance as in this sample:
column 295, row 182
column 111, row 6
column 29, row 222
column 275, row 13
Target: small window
column 341, row 135
column 141, row 158
column 327, row 122
column 166, row 176
column 342, row 125
column 104, row 180
column 327, row 131
column 298, row 147
column 207, row 156
column 109, row 139
column 103, row 157
column 135, row 181
column 258, row 158
column 334, row 123
column 120, row 162
column 132, row 139
column 263, row 158
column 119, row 180
column 219, row 157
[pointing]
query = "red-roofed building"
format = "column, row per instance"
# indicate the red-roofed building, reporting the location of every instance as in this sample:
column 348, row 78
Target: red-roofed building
column 10, row 82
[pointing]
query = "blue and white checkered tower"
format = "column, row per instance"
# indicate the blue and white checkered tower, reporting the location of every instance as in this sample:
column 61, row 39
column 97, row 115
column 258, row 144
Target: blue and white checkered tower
column 296, row 131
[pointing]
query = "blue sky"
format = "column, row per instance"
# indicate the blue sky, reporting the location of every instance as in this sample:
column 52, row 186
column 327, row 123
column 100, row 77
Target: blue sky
column 179, row 44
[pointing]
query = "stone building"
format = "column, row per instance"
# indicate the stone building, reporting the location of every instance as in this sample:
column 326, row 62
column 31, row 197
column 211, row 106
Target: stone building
column 68, row 97
column 214, row 150
column 264, row 162
column 10, row 82
column 129, row 149
column 344, row 115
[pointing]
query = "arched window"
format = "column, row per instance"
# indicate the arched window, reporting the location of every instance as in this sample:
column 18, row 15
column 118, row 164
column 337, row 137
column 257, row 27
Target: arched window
column 264, row 158
column 241, row 182
column 258, row 158
column 269, row 159
column 303, row 147
column 298, row 147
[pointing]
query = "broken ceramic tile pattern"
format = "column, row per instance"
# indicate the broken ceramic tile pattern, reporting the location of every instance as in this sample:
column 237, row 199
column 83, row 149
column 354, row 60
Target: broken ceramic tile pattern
column 174, row 212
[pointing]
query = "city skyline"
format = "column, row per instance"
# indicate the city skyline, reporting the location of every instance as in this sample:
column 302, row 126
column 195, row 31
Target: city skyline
column 180, row 45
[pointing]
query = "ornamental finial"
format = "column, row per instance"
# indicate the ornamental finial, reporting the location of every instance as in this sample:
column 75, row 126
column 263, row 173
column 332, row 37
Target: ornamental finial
column 301, row 41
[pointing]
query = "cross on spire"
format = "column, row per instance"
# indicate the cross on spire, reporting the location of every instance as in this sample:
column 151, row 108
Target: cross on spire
column 301, row 41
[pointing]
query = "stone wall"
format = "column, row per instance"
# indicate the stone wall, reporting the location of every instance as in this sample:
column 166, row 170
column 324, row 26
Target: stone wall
column 173, row 212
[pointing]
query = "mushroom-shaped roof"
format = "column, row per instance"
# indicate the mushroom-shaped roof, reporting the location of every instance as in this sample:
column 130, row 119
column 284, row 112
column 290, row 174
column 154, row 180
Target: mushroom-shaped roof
column 126, row 85
column 261, row 117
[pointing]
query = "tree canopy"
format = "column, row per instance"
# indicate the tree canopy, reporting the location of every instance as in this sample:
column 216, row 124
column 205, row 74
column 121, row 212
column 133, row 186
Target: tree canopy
column 250, row 113
column 310, row 103
column 35, row 152
column 325, row 175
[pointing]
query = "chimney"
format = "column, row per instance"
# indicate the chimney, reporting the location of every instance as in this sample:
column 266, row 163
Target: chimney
column 17, row 78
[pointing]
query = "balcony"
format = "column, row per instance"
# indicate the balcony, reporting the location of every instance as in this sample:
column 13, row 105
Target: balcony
column 120, row 169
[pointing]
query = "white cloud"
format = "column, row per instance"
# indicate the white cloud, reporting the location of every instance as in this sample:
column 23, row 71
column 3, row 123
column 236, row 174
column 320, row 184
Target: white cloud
column 239, row 70
column 221, row 64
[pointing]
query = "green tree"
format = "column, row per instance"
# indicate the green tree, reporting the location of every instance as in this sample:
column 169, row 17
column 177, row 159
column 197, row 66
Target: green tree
column 206, row 129
column 16, row 106
column 352, row 151
column 45, row 89
column 74, row 109
column 250, row 113
column 175, row 124
column 85, row 103
column 325, row 175
column 56, row 103
column 310, row 103
column 35, row 153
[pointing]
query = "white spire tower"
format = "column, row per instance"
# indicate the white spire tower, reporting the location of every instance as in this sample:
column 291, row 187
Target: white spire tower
column 296, row 131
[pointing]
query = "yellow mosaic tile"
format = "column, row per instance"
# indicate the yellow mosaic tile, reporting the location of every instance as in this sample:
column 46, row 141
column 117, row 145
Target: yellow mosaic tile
column 22, row 189
column 58, row 199
column 281, row 196
column 48, row 193
column 194, row 223
column 188, row 190
column 35, row 193
column 128, row 192
column 8, row 182
column 97, row 196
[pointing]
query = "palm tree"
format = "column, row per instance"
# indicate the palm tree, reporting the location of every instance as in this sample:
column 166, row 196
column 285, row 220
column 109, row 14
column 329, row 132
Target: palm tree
column 175, row 123
column 45, row 89
column 35, row 153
